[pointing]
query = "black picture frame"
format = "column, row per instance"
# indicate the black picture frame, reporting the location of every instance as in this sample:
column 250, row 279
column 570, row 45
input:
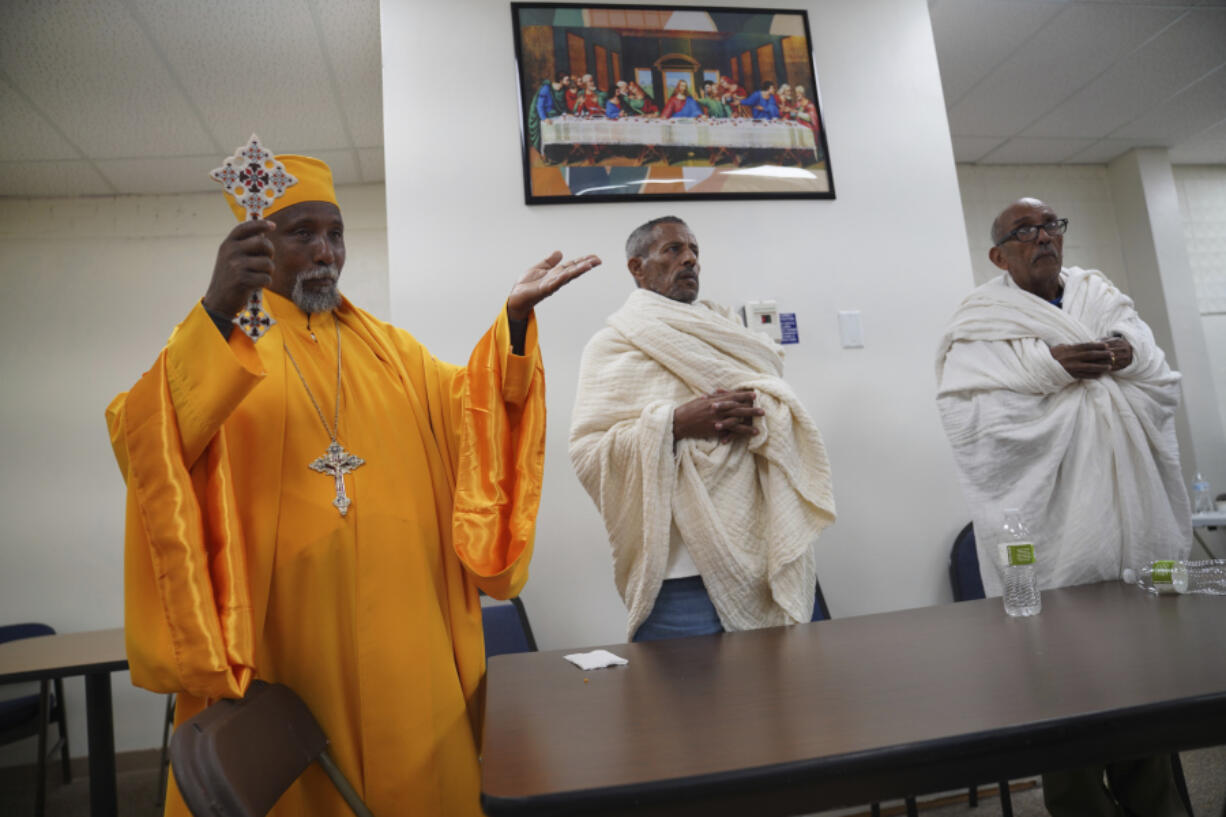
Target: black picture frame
column 598, row 70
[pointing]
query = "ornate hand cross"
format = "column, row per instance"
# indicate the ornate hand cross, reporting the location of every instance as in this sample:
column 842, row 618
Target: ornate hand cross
column 255, row 179
column 336, row 463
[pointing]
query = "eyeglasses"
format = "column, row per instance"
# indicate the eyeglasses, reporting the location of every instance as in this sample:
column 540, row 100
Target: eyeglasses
column 1030, row 232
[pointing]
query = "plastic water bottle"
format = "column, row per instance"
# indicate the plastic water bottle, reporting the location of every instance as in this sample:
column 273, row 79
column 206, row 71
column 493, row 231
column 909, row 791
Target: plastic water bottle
column 1206, row 577
column 1202, row 496
column 1161, row 576
column 1017, row 562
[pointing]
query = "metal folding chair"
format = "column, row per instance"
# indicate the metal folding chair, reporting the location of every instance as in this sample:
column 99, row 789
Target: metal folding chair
column 237, row 757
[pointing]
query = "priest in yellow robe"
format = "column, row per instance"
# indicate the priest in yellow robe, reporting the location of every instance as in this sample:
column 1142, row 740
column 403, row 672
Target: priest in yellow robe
column 320, row 508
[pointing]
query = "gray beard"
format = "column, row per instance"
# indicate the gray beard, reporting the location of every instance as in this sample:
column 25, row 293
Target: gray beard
column 315, row 299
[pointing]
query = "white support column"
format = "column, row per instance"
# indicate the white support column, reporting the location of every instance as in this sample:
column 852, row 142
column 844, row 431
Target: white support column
column 1151, row 232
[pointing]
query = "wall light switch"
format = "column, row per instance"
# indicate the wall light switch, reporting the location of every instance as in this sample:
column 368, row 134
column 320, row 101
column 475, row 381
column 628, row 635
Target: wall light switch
column 850, row 331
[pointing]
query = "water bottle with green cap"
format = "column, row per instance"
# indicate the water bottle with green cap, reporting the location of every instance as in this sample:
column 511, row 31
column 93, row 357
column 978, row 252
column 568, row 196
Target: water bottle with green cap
column 1016, row 556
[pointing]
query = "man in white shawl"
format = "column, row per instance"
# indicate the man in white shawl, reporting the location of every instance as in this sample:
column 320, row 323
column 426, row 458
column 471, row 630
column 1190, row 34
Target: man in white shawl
column 711, row 477
column 1058, row 402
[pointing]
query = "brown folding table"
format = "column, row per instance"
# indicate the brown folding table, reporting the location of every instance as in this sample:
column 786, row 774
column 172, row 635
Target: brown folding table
column 95, row 655
column 849, row 711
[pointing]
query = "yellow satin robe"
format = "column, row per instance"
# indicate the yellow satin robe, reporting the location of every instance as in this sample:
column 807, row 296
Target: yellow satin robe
column 237, row 565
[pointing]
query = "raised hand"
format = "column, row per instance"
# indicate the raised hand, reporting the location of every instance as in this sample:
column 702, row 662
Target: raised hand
column 1085, row 360
column 244, row 263
column 544, row 279
column 722, row 414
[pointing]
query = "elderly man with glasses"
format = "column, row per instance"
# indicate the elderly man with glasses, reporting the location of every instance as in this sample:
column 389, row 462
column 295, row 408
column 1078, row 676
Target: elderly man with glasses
column 1059, row 404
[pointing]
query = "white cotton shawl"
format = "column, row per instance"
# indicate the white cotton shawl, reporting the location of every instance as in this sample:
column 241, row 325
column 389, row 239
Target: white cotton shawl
column 749, row 512
column 1092, row 464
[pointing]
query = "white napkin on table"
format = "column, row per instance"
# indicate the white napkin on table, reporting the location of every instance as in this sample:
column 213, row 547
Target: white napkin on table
column 596, row 659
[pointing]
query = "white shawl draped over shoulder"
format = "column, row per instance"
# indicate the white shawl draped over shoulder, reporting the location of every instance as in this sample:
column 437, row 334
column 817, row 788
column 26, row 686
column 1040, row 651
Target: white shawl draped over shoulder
column 749, row 512
column 1092, row 464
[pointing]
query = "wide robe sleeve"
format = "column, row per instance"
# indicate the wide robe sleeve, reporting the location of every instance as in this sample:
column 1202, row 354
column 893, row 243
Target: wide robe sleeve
column 187, row 608
column 499, row 444
column 486, row 421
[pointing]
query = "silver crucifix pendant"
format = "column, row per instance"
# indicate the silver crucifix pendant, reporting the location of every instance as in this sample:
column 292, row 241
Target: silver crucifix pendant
column 337, row 462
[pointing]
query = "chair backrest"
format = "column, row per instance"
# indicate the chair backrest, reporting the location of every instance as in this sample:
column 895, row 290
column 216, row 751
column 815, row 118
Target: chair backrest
column 820, row 611
column 506, row 628
column 964, row 576
column 237, row 757
column 16, row 632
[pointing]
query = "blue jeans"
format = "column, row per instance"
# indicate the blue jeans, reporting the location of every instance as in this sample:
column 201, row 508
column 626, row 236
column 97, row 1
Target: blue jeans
column 682, row 608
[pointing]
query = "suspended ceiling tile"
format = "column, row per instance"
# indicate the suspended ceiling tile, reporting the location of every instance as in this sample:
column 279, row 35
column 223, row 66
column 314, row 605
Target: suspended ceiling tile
column 351, row 39
column 970, row 182
column 973, row 36
column 1053, row 65
column 1020, row 151
column 90, row 69
column 973, row 148
column 1206, row 148
column 182, row 174
column 189, row 174
column 1199, row 106
column 251, row 67
column 93, row 74
column 1190, row 48
column 1200, row 154
column 25, row 133
column 51, row 179
column 344, row 164
column 371, row 162
column 1105, row 150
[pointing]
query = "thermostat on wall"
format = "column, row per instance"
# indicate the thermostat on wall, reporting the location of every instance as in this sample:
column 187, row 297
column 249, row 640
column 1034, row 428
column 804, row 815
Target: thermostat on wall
column 762, row 316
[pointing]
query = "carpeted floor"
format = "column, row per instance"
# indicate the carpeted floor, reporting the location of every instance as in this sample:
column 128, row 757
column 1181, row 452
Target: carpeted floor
column 137, row 790
column 1205, row 771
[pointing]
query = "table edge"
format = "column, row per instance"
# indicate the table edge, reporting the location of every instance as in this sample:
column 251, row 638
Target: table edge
column 65, row 671
column 1038, row 737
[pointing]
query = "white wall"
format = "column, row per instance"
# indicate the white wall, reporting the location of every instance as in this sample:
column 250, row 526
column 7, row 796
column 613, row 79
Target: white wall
column 93, row 287
column 1202, row 203
column 1081, row 193
column 891, row 245
column 1154, row 249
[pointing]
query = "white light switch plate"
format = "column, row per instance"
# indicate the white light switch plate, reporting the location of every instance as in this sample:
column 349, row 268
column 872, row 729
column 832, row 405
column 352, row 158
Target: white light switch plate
column 850, row 331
